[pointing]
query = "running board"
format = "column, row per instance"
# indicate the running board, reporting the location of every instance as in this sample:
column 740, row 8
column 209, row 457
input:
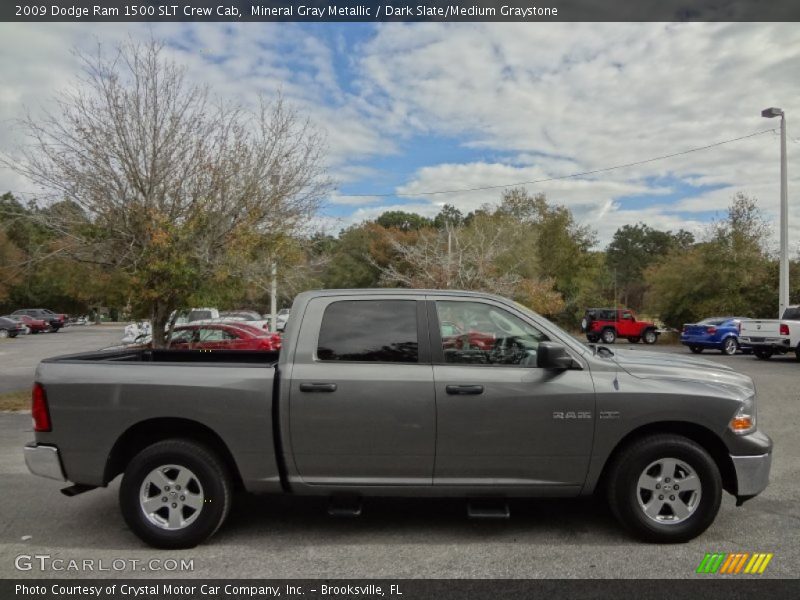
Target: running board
column 488, row 509
column 344, row 507
column 76, row 489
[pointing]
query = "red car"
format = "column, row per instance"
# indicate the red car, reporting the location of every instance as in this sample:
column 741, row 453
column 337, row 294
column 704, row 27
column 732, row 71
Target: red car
column 223, row 336
column 35, row 325
column 607, row 324
column 454, row 336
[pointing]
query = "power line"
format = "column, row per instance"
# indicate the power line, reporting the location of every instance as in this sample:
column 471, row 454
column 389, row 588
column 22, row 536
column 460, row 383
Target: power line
column 560, row 177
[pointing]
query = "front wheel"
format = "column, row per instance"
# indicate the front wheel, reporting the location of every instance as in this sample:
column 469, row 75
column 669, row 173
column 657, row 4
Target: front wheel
column 650, row 336
column 763, row 353
column 175, row 494
column 730, row 346
column 665, row 488
column 609, row 336
column 3, row 334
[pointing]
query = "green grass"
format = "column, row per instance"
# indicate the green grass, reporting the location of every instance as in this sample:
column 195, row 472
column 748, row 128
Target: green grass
column 20, row 400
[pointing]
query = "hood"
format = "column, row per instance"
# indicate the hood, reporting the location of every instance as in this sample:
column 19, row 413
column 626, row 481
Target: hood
column 658, row 365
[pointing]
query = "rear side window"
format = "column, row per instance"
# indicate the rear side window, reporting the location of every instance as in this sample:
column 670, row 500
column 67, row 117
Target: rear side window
column 792, row 314
column 369, row 331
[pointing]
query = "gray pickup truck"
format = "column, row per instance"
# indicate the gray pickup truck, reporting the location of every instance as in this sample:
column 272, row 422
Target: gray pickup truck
column 401, row 393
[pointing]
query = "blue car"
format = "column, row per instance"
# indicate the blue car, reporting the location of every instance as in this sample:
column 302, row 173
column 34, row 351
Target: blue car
column 714, row 333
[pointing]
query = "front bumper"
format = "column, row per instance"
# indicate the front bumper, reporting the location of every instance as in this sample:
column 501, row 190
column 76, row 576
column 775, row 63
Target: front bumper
column 752, row 474
column 44, row 461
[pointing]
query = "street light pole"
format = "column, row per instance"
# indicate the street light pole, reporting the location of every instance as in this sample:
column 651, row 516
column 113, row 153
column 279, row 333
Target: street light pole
column 783, row 292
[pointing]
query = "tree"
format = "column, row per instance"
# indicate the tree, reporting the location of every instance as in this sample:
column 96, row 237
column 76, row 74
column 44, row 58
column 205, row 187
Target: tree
column 632, row 250
column 404, row 221
column 728, row 273
column 178, row 191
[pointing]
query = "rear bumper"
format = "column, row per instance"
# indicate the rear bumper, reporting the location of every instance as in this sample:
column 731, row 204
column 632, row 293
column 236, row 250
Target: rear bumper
column 44, row 461
column 782, row 344
column 752, row 474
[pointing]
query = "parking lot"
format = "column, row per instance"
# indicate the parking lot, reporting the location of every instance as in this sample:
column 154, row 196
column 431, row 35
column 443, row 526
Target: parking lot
column 19, row 356
column 288, row 537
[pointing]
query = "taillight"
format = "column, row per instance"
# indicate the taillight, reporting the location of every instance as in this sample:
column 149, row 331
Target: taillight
column 711, row 330
column 784, row 329
column 39, row 410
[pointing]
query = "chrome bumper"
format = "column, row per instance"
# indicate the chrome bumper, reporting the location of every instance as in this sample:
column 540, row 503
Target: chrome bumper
column 752, row 473
column 44, row 461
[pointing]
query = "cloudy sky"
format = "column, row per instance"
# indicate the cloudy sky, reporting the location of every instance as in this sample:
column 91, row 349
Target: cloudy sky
column 413, row 108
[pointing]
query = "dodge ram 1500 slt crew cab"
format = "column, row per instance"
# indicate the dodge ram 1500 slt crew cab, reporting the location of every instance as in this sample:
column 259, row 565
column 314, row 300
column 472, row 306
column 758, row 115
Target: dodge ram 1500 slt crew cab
column 401, row 393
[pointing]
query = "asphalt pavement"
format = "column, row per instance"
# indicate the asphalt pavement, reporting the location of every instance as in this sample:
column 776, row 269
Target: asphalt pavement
column 283, row 537
column 19, row 356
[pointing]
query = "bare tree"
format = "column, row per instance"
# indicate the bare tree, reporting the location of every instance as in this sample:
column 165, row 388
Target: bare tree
column 178, row 190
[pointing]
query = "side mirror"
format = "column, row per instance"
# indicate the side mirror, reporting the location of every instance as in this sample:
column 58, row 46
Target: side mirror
column 550, row 355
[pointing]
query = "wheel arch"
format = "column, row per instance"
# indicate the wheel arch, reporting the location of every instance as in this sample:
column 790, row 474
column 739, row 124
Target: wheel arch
column 699, row 434
column 144, row 433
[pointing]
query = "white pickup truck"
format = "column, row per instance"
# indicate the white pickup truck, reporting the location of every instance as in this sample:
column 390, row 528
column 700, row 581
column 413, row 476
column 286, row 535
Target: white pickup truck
column 772, row 336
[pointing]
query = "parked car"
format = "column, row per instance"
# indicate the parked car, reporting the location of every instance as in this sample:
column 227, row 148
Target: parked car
column 282, row 318
column 773, row 336
column 223, row 336
column 714, row 333
column 10, row 328
column 55, row 320
column 364, row 400
column 248, row 316
column 33, row 325
column 607, row 324
column 202, row 314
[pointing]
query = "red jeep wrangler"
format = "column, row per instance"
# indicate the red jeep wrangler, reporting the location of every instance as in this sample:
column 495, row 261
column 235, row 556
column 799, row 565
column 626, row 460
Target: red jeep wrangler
column 606, row 324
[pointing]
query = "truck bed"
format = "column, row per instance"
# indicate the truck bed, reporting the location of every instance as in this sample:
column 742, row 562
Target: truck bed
column 98, row 398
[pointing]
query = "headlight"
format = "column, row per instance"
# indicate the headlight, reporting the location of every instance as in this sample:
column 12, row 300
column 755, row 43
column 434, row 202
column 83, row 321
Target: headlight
column 744, row 421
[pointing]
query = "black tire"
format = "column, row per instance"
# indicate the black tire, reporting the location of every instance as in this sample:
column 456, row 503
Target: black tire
column 634, row 340
column 695, row 349
column 650, row 336
column 797, row 352
column 730, row 346
column 609, row 336
column 624, row 494
column 763, row 353
column 209, row 472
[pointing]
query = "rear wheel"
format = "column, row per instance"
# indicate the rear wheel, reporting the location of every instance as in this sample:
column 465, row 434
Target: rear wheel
column 730, row 346
column 763, row 353
column 665, row 488
column 609, row 336
column 3, row 334
column 175, row 494
column 695, row 349
column 634, row 339
column 650, row 336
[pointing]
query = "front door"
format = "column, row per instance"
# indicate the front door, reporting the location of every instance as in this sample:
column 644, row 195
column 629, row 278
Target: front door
column 362, row 408
column 501, row 420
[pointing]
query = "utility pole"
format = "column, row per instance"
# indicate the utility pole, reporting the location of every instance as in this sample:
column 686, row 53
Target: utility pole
column 273, row 299
column 783, row 292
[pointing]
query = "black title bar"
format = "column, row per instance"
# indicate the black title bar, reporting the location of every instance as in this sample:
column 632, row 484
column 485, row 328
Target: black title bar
column 398, row 10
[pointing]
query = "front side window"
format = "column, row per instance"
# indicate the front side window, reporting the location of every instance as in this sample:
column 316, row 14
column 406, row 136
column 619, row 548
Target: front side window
column 369, row 331
column 478, row 333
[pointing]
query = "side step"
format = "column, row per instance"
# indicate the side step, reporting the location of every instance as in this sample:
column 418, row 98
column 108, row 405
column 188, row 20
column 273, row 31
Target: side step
column 488, row 508
column 344, row 506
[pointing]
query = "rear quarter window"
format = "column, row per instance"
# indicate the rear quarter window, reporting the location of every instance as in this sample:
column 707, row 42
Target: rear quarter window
column 369, row 331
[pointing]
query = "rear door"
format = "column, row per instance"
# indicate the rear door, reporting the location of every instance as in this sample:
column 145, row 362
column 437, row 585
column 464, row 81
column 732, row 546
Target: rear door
column 362, row 405
column 501, row 420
